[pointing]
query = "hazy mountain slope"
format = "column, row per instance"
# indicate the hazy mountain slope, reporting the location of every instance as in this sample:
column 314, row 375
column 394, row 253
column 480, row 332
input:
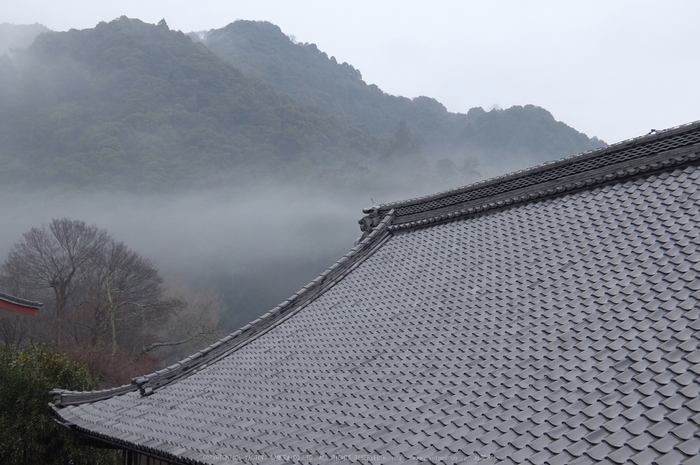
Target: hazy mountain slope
column 14, row 37
column 519, row 137
column 301, row 70
column 136, row 105
column 130, row 105
column 529, row 134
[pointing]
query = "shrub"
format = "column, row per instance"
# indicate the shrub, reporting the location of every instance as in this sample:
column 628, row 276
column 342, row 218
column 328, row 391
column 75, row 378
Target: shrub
column 29, row 435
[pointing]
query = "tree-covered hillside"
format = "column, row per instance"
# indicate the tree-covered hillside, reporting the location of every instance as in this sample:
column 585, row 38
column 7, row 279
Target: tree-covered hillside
column 137, row 106
column 519, row 136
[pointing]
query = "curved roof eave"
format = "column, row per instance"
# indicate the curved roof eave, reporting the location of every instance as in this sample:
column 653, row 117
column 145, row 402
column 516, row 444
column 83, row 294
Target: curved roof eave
column 147, row 384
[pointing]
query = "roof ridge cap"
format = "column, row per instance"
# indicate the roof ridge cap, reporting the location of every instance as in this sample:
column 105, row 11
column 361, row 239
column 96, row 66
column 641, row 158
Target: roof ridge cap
column 65, row 397
column 653, row 135
column 657, row 150
column 20, row 301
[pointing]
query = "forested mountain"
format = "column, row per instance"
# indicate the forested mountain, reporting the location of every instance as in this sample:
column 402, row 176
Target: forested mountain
column 519, row 136
column 136, row 106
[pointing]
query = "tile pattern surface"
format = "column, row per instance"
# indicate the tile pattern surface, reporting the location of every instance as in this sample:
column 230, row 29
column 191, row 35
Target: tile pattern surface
column 563, row 331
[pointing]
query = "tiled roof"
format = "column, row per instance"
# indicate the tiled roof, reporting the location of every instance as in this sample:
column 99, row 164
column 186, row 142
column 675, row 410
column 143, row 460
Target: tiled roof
column 554, row 319
column 17, row 305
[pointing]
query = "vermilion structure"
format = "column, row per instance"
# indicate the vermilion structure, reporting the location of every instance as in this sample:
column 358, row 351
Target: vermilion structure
column 12, row 306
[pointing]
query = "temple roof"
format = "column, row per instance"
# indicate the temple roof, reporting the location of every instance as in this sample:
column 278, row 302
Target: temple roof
column 16, row 305
column 547, row 316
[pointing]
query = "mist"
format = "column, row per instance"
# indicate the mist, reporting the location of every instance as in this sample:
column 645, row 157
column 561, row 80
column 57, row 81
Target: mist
column 257, row 246
column 91, row 129
column 13, row 37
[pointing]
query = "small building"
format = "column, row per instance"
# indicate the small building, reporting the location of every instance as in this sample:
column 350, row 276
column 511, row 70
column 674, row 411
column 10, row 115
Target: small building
column 547, row 316
column 13, row 306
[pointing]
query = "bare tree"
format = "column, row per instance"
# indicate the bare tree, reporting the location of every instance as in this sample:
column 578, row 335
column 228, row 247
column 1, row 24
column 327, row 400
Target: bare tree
column 127, row 294
column 14, row 331
column 54, row 256
column 193, row 323
column 111, row 308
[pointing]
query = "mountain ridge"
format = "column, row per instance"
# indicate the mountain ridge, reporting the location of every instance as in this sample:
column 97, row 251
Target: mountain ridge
column 309, row 75
column 128, row 93
column 83, row 108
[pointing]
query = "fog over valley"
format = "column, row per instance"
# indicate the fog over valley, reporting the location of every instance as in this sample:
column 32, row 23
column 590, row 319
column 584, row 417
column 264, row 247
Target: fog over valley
column 237, row 161
column 256, row 248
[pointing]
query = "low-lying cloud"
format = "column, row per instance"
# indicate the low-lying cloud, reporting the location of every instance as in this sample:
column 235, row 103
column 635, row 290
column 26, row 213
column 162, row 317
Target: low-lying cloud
column 256, row 245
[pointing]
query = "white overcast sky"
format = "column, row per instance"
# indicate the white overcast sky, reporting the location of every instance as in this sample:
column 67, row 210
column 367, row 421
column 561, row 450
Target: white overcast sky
column 612, row 69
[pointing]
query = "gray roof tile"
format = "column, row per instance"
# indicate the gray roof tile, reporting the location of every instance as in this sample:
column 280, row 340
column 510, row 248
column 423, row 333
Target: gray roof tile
column 622, row 454
column 561, row 330
column 645, row 457
column 665, row 444
column 690, row 447
column 680, row 416
column 671, row 458
column 685, row 430
column 600, row 452
column 578, row 448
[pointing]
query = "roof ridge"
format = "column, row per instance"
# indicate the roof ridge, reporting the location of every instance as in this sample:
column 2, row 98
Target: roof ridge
column 624, row 159
column 147, row 384
column 651, row 136
column 19, row 301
